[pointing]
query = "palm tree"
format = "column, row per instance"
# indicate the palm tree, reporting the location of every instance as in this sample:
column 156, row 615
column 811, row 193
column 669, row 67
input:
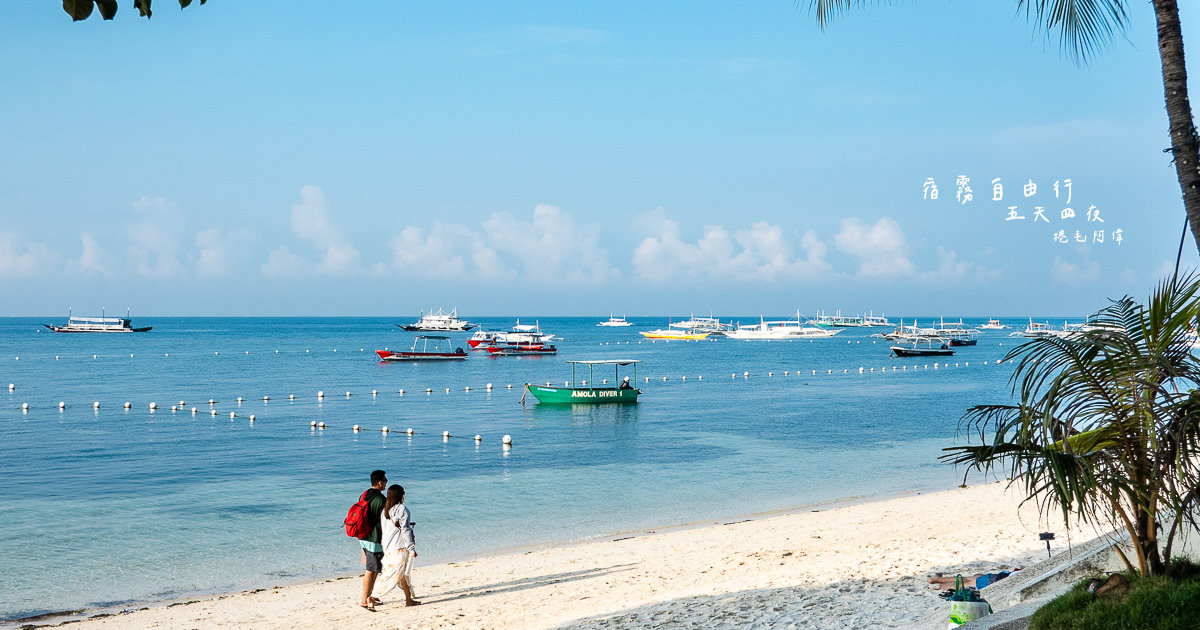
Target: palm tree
column 1107, row 425
column 1083, row 27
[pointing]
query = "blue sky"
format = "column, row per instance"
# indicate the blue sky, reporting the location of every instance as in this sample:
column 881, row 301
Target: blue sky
column 544, row 158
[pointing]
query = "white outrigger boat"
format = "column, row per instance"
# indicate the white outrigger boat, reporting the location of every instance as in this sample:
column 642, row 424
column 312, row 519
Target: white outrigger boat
column 97, row 324
column 780, row 329
column 521, row 334
column 992, row 324
column 440, row 321
column 615, row 321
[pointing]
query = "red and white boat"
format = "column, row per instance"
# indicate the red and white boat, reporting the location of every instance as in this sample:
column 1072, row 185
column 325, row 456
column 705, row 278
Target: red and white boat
column 519, row 349
column 520, row 334
column 436, row 353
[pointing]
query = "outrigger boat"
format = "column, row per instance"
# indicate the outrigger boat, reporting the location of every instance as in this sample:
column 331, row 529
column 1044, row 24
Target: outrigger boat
column 440, row 321
column 924, row 347
column 674, row 333
column 993, row 324
column 587, row 392
column 615, row 321
column 437, row 353
column 520, row 349
column 97, row 324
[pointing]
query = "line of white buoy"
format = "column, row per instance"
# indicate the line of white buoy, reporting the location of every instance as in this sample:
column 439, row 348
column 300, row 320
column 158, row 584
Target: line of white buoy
column 489, row 386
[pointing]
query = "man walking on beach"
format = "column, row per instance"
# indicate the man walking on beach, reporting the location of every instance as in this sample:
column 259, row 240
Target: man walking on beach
column 372, row 551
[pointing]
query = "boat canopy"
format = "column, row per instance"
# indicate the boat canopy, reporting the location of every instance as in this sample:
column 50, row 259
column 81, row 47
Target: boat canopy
column 609, row 362
column 432, row 337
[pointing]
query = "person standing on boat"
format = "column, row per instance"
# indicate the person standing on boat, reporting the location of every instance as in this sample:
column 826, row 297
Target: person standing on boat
column 372, row 551
column 399, row 546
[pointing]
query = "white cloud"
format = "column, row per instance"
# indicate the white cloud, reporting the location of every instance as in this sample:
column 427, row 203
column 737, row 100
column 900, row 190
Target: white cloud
column 881, row 249
column 761, row 252
column 282, row 263
column 432, row 255
column 153, row 250
column 1085, row 272
column 24, row 260
column 219, row 251
column 550, row 243
column 310, row 221
column 92, row 257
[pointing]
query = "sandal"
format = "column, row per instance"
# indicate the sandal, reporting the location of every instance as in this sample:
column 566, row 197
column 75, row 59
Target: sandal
column 370, row 607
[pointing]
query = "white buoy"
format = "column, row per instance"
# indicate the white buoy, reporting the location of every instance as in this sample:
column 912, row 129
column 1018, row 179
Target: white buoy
column 24, row 406
column 489, row 387
column 166, row 354
column 447, row 390
column 211, row 402
column 251, row 418
column 181, row 404
column 374, row 392
column 96, row 405
column 128, row 405
column 770, row 374
column 232, row 415
column 445, row 434
column 355, row 428
column 266, row 398
column 62, row 405
column 785, row 372
column 313, row 423
column 173, row 407
column 401, row 392
column 12, row 386
column 965, row 364
column 860, row 370
column 216, row 353
column 683, row 378
column 153, row 406
column 320, row 425
column 664, row 379
column 700, row 378
column 734, row 375
column 428, row 390
column 409, row 431
column 506, row 440
column 467, row 388
column 347, row 394
column 213, row 413
column 647, row 379
column 291, row 397
column 93, row 356
column 509, row 386
column 384, row 429
column 320, row 394
column 745, row 375
column 239, row 399
column 478, row 438
column 193, row 411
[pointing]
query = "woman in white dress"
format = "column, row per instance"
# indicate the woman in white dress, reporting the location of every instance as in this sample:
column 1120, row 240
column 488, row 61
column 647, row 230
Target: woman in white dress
column 399, row 546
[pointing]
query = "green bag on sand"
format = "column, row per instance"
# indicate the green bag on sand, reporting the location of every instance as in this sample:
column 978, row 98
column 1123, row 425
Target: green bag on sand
column 966, row 604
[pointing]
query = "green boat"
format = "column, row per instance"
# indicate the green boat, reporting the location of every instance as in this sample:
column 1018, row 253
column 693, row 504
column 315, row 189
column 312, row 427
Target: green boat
column 589, row 394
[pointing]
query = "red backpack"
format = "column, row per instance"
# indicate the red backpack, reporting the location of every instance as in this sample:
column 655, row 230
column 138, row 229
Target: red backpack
column 358, row 521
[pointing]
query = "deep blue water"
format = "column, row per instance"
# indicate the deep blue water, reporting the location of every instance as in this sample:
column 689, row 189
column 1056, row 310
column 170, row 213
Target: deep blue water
column 106, row 506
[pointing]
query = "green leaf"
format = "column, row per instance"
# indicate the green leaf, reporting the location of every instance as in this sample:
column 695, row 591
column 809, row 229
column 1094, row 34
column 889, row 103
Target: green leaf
column 78, row 9
column 108, row 8
column 143, row 6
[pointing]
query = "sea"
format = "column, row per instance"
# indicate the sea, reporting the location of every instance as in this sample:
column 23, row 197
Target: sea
column 106, row 503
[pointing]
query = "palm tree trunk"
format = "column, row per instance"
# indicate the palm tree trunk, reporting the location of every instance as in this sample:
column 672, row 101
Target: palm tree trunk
column 1185, row 147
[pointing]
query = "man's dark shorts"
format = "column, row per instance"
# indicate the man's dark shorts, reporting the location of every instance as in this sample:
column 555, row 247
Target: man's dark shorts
column 373, row 561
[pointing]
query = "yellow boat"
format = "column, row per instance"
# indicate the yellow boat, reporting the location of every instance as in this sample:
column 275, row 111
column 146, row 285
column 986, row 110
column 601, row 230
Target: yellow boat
column 682, row 335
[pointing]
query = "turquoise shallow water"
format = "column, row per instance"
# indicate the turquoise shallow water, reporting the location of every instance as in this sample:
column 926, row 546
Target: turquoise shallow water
column 144, row 506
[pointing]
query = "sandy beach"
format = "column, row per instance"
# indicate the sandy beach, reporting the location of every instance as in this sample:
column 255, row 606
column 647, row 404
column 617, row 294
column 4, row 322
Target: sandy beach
column 850, row 565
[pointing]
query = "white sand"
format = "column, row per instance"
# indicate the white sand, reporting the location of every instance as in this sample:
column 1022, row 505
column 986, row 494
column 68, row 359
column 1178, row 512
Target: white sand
column 862, row 565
